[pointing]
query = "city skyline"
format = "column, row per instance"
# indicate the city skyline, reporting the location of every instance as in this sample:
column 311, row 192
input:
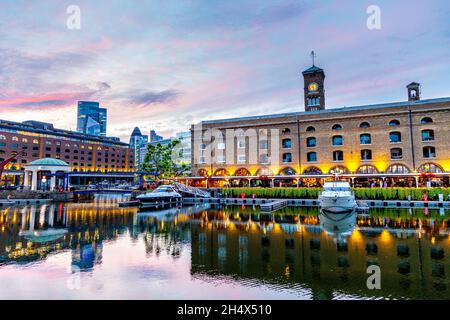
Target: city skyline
column 166, row 65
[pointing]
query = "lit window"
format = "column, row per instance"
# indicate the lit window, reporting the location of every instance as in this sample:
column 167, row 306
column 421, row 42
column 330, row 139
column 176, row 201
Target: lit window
column 35, row 141
column 24, row 140
column 48, row 142
column 2, row 137
column 15, row 139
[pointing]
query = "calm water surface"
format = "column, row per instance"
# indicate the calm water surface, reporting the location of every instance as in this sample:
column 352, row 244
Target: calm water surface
column 97, row 250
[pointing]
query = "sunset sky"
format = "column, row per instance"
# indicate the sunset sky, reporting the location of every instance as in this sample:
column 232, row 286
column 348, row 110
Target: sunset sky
column 166, row 64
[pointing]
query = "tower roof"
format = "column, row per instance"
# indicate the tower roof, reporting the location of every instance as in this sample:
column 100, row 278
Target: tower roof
column 313, row 69
column 136, row 132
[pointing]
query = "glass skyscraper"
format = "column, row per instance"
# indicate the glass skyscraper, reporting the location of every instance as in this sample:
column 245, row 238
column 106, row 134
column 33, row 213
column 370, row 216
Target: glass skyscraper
column 91, row 118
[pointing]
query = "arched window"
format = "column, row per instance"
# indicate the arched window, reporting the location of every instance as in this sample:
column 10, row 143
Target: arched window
column 287, row 172
column 310, row 129
column 427, row 135
column 15, row 139
column 311, row 156
column 364, row 125
column 426, row 120
column 286, row 143
column 429, row 152
column 286, row 131
column 394, row 123
column 365, row 138
column 287, row 157
column 338, row 155
column 367, row 170
column 430, row 167
column 242, row 172
column 338, row 169
column 221, row 173
column 337, row 140
column 311, row 142
column 337, row 127
column 35, row 141
column 264, row 172
column 397, row 168
column 366, row 154
column 396, row 154
column 312, row 171
column 2, row 137
column 395, row 137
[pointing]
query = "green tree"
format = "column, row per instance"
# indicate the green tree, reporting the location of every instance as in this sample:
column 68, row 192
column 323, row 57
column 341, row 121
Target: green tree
column 160, row 160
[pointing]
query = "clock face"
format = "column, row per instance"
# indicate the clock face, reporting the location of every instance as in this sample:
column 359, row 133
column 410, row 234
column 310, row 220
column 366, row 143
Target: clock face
column 313, row 87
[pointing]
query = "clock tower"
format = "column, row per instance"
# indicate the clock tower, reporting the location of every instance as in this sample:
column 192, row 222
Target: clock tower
column 314, row 79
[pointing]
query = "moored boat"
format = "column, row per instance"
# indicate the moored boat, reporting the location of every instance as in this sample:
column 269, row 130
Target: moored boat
column 337, row 198
column 162, row 195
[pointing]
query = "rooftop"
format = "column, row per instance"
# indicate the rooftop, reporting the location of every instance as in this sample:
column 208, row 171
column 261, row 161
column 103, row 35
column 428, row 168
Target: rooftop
column 312, row 70
column 48, row 162
column 333, row 110
column 45, row 128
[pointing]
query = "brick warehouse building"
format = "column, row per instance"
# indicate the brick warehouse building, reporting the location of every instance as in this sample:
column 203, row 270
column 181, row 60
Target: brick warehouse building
column 403, row 143
column 92, row 158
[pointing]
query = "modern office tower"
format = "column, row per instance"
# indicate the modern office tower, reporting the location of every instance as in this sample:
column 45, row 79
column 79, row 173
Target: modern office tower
column 185, row 147
column 91, row 118
column 138, row 141
column 154, row 137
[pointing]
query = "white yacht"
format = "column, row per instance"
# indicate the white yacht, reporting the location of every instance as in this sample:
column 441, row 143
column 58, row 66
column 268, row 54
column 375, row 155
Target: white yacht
column 160, row 196
column 337, row 197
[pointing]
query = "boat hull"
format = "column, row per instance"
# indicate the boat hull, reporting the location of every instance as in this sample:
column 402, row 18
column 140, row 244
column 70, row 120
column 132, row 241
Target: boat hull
column 337, row 205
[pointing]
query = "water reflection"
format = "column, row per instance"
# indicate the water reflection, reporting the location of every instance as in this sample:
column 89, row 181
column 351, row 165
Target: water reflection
column 298, row 251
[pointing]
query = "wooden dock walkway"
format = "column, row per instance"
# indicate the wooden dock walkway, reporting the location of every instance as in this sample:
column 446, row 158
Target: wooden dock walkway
column 315, row 203
column 273, row 206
